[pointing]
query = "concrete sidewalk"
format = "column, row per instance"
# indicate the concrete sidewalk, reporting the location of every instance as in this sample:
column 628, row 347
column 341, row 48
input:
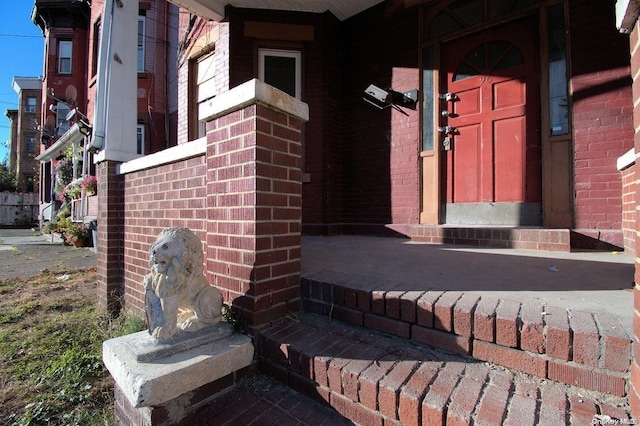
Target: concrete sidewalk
column 25, row 253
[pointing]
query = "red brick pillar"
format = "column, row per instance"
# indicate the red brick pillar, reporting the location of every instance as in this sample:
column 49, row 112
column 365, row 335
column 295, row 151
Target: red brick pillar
column 110, row 236
column 254, row 200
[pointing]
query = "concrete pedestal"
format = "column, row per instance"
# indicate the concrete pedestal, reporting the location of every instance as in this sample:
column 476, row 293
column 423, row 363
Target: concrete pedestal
column 172, row 376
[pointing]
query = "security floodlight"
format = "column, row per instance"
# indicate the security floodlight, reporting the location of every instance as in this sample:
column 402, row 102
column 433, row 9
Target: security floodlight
column 382, row 99
column 377, row 97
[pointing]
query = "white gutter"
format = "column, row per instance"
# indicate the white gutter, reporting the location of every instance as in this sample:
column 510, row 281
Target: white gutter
column 70, row 137
column 116, row 101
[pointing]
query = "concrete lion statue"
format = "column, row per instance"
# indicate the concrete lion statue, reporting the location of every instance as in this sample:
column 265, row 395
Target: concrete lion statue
column 177, row 295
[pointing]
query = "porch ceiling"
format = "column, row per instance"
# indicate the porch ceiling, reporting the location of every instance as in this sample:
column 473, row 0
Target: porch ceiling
column 214, row 9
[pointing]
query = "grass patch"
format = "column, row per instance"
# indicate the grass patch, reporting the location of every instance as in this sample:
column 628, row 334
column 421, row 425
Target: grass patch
column 51, row 336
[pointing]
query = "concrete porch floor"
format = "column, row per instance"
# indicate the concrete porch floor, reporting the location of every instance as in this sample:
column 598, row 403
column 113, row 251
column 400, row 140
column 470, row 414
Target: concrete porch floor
column 596, row 282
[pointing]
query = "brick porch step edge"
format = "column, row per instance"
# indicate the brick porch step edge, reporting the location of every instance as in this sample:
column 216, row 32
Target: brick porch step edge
column 371, row 378
column 528, row 238
column 578, row 348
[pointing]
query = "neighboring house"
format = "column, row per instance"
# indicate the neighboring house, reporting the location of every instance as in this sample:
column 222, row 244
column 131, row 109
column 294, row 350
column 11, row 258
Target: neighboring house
column 72, row 31
column 65, row 27
column 24, row 143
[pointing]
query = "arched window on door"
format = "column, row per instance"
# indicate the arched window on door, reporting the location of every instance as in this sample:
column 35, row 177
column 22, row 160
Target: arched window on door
column 487, row 59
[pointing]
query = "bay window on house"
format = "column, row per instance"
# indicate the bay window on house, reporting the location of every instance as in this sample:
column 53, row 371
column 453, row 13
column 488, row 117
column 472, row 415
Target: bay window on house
column 65, row 50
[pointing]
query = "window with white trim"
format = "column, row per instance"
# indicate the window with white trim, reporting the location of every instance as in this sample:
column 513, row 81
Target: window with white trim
column 205, row 72
column 30, row 105
column 140, row 139
column 65, row 50
column 141, row 42
column 281, row 69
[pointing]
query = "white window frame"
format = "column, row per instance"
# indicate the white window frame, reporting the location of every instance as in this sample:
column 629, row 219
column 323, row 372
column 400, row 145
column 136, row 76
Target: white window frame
column 31, row 107
column 296, row 54
column 61, row 59
column 204, row 84
column 140, row 139
column 142, row 35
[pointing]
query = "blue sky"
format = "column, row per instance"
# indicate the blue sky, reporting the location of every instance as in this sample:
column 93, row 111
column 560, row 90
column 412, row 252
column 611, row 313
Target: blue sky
column 21, row 50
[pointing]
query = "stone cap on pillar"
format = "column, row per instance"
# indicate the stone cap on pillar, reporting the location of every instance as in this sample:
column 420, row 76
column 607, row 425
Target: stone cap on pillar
column 249, row 93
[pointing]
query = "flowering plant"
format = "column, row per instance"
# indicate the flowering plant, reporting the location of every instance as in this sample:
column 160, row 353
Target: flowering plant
column 64, row 171
column 90, row 184
column 74, row 188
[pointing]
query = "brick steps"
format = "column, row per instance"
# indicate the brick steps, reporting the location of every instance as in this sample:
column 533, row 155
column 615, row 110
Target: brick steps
column 372, row 378
column 529, row 238
column 591, row 351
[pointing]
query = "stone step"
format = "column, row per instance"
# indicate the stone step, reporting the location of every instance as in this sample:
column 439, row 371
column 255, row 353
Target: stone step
column 591, row 351
column 372, row 378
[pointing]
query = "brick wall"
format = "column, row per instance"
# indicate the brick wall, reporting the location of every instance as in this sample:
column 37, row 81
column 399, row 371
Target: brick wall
column 381, row 146
column 629, row 209
column 110, row 265
column 254, row 199
column 322, row 90
column 602, row 119
column 634, row 391
column 170, row 195
column 242, row 198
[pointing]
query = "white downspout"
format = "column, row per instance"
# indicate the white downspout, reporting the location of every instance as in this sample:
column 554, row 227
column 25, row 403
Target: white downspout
column 104, row 75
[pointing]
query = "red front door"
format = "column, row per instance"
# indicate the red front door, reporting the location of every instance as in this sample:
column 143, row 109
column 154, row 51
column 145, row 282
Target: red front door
column 492, row 173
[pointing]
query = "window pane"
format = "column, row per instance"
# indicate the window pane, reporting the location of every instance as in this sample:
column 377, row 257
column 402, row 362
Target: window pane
column 140, row 140
column 65, row 49
column 280, row 72
column 62, row 124
column 64, row 57
column 558, row 91
column 205, row 71
column 31, row 104
column 141, row 43
column 427, row 100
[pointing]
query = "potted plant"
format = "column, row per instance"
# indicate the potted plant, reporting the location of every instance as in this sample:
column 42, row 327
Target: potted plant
column 90, row 185
column 77, row 234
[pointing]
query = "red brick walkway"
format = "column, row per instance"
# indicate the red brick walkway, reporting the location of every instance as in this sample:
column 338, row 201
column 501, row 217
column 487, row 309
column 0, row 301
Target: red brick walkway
column 263, row 401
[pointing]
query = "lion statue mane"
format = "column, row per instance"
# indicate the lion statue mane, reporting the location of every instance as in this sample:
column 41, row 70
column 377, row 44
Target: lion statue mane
column 177, row 294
